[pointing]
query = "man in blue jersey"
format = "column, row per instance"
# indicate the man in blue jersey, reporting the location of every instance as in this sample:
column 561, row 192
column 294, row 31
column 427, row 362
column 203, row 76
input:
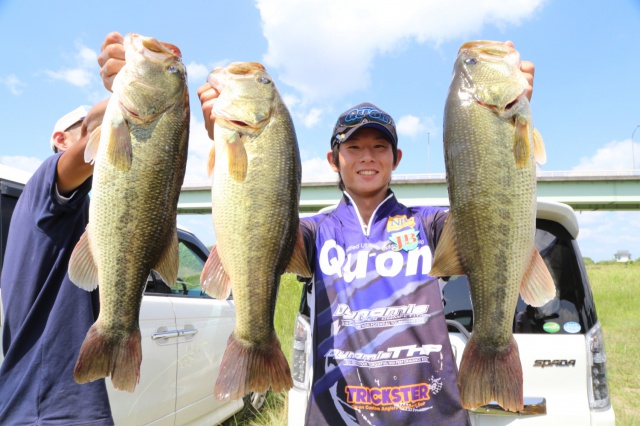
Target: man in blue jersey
column 46, row 317
column 381, row 349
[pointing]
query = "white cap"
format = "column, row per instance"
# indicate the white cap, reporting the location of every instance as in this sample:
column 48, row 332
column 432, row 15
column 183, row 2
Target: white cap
column 69, row 120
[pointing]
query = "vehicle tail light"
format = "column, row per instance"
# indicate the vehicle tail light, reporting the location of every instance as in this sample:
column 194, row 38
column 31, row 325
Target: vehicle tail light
column 597, row 363
column 301, row 353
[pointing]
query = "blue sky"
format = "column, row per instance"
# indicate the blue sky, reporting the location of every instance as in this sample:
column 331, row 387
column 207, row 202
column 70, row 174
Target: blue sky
column 328, row 55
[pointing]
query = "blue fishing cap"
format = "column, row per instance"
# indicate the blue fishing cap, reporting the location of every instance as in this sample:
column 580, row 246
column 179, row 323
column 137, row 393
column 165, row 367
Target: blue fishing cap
column 362, row 116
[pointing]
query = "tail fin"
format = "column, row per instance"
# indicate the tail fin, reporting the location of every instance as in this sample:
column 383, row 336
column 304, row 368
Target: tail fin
column 247, row 367
column 115, row 354
column 487, row 375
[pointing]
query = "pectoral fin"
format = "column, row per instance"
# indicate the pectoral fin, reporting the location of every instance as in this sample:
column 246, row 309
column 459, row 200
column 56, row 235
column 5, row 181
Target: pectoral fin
column 537, row 286
column 212, row 161
column 299, row 264
column 119, row 151
column 539, row 151
column 522, row 143
column 169, row 261
column 445, row 260
column 83, row 270
column 91, row 149
column 237, row 159
column 214, row 280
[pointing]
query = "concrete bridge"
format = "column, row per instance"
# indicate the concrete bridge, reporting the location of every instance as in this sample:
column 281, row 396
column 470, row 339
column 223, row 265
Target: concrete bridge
column 583, row 190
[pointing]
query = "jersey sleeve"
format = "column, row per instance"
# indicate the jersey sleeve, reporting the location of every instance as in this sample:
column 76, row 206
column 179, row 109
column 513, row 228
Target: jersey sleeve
column 433, row 223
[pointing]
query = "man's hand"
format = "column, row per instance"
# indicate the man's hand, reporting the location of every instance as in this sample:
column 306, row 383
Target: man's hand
column 111, row 59
column 208, row 96
column 528, row 69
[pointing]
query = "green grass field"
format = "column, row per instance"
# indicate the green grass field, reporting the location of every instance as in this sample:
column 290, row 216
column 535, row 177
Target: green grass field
column 615, row 288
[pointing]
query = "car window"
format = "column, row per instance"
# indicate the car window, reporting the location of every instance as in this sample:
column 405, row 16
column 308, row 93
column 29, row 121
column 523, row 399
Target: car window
column 188, row 282
column 571, row 311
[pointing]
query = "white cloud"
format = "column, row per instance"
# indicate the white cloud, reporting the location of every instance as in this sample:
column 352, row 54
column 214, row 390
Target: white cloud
column 13, row 83
column 83, row 73
column 317, row 167
column 410, row 125
column 21, row 162
column 615, row 155
column 75, row 76
column 87, row 58
column 198, row 156
column 197, row 73
column 312, row 117
column 336, row 41
column 602, row 234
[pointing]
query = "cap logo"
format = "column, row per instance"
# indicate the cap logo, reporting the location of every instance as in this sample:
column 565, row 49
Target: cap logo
column 358, row 115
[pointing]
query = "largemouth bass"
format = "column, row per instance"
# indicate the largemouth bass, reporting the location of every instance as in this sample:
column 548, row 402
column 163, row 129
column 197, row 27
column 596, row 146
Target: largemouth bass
column 491, row 148
column 255, row 196
column 140, row 157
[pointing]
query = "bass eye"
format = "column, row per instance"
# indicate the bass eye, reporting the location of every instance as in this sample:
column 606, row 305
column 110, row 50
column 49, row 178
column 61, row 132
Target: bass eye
column 264, row 80
column 470, row 61
column 172, row 69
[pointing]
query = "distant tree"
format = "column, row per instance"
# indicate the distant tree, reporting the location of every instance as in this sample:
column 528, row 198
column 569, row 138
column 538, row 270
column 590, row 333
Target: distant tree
column 588, row 261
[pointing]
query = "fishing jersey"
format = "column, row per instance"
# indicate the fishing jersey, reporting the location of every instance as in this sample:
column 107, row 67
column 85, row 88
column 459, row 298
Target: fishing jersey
column 46, row 315
column 381, row 351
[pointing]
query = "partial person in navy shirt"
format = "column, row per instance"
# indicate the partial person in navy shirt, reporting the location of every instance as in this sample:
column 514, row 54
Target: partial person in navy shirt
column 46, row 317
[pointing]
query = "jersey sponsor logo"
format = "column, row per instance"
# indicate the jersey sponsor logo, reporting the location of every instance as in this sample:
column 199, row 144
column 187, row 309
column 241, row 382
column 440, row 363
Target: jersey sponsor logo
column 334, row 261
column 406, row 240
column 381, row 317
column 388, row 396
column 396, row 223
column 395, row 356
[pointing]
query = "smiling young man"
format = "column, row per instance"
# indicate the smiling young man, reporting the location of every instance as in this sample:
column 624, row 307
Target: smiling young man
column 381, row 349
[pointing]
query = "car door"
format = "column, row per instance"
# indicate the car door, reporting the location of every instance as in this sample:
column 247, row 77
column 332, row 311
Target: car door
column 204, row 325
column 154, row 398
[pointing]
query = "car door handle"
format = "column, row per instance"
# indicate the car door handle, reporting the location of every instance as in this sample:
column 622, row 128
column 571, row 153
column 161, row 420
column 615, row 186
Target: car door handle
column 173, row 333
column 165, row 335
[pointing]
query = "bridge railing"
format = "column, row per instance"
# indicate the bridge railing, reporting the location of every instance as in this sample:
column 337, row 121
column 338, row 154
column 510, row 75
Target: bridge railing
column 539, row 173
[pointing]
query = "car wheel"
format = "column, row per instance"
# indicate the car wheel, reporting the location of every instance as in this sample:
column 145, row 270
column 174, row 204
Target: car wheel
column 254, row 401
